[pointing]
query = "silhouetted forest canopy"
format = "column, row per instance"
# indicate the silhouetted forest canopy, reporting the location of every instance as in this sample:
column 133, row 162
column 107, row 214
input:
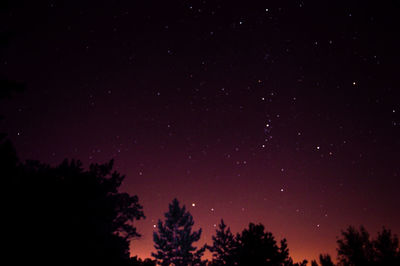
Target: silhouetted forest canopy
column 66, row 215
column 277, row 121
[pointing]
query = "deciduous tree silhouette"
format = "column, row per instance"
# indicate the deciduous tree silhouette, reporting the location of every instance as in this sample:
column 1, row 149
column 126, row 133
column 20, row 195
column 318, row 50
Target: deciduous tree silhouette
column 65, row 215
column 174, row 240
column 253, row 246
column 355, row 248
column 256, row 247
column 386, row 247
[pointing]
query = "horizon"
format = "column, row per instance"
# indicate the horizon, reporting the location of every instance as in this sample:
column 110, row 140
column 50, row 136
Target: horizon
column 285, row 114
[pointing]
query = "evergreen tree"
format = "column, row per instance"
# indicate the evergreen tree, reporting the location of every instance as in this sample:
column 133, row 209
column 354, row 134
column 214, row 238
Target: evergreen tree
column 223, row 247
column 174, row 240
column 284, row 253
column 285, row 259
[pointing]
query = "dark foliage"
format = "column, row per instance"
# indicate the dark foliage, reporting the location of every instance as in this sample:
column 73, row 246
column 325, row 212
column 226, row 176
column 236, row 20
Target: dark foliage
column 223, row 247
column 257, row 247
column 174, row 240
column 253, row 246
column 325, row 260
column 386, row 248
column 65, row 215
column 314, row 263
column 355, row 248
column 135, row 261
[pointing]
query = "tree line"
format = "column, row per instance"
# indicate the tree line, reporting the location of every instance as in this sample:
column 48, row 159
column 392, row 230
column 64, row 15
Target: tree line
column 66, row 215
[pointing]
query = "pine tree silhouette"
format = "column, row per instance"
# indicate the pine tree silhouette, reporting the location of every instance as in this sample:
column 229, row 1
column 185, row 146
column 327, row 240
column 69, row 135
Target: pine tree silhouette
column 223, row 247
column 174, row 240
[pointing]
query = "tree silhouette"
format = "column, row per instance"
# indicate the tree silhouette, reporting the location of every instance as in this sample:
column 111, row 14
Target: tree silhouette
column 325, row 260
column 68, row 216
column 386, row 247
column 135, row 261
column 355, row 247
column 256, row 247
column 174, row 240
column 285, row 259
column 223, row 247
column 253, row 246
column 63, row 215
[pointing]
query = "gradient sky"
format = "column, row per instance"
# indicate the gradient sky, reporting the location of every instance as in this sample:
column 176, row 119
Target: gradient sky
column 284, row 113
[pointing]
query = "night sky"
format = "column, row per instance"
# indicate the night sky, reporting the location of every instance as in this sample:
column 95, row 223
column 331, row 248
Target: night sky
column 285, row 113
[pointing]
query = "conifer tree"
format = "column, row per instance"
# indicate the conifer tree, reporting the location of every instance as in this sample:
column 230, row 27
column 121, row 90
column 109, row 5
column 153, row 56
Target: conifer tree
column 223, row 246
column 174, row 239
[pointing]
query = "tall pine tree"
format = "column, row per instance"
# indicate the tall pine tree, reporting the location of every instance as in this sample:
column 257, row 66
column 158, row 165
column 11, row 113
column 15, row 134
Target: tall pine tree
column 174, row 240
